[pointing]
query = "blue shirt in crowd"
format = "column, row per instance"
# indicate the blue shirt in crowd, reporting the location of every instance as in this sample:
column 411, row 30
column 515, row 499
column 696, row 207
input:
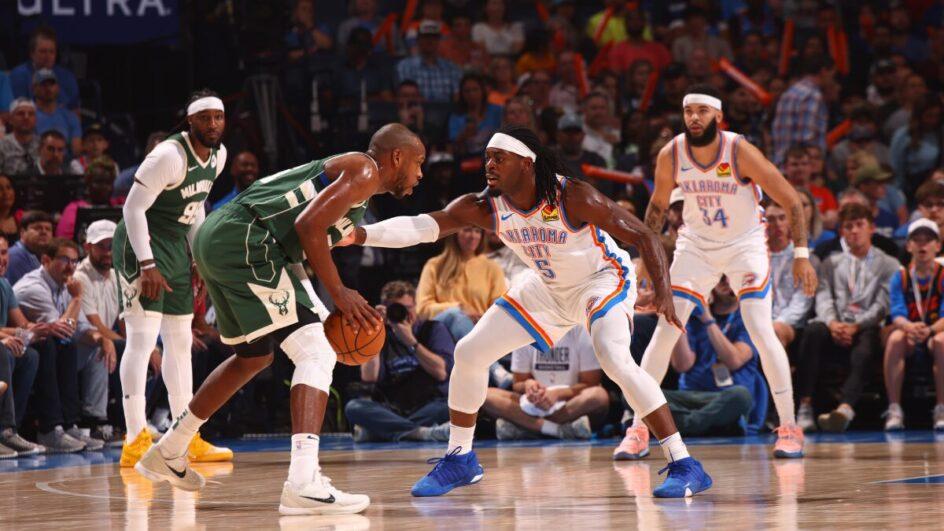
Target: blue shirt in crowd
column 21, row 78
column 6, row 92
column 22, row 261
column 701, row 378
column 62, row 120
column 483, row 131
column 903, row 303
column 7, row 301
column 436, row 338
column 437, row 81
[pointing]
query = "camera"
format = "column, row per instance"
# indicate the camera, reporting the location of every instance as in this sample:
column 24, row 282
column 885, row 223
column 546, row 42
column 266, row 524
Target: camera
column 396, row 312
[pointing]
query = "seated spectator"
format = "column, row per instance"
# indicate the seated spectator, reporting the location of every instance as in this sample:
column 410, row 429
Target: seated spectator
column 503, row 84
column 411, row 375
column 518, row 111
column 50, row 295
column 362, row 71
column 615, row 29
column 872, row 180
column 930, row 200
column 42, row 55
column 837, row 244
column 637, row 47
column 556, row 393
column 475, row 120
column 863, row 137
column 429, row 10
column 50, row 115
column 459, row 284
column 364, row 15
column 537, row 54
column 570, row 136
column 562, row 24
column 52, row 154
column 917, row 320
column 698, row 37
column 459, row 47
column 717, row 352
column 801, row 116
column 35, row 233
column 245, row 171
column 916, row 149
column 99, row 185
column 410, row 106
column 497, row 35
column 94, row 145
column 437, row 78
column 9, row 215
column 602, row 135
column 126, row 178
column 536, row 87
column 796, row 169
column 745, row 114
column 565, row 95
column 18, row 365
column 19, row 148
column 306, row 36
column 790, row 305
column 851, row 302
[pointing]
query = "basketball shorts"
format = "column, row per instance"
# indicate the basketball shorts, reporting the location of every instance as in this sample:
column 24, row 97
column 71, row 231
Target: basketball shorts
column 173, row 261
column 547, row 314
column 254, row 287
column 697, row 266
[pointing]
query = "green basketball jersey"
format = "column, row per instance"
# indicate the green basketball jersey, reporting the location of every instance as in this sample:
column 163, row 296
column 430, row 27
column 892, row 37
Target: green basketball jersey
column 175, row 209
column 278, row 199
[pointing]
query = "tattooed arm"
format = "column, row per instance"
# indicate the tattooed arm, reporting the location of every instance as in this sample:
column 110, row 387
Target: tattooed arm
column 665, row 182
column 751, row 164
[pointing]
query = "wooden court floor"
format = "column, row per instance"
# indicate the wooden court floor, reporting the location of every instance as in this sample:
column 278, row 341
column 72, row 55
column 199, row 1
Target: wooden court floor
column 851, row 485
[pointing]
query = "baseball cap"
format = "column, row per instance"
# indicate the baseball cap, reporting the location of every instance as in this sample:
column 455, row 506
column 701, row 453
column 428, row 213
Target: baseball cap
column 94, row 129
column 676, row 197
column 44, row 74
column 925, row 225
column 884, row 66
column 569, row 121
column 21, row 102
column 870, row 172
column 100, row 230
column 430, row 27
column 440, row 157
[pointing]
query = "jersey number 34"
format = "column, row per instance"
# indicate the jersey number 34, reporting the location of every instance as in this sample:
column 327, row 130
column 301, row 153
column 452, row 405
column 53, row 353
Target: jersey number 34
column 719, row 217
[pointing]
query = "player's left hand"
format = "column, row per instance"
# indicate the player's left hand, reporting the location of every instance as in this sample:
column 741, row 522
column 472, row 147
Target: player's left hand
column 804, row 275
column 665, row 307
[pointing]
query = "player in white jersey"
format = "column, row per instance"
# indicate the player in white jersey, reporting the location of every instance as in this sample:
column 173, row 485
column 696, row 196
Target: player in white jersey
column 721, row 176
column 578, row 277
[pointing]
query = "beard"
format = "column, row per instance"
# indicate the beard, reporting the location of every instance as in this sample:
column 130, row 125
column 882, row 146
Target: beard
column 706, row 137
column 204, row 140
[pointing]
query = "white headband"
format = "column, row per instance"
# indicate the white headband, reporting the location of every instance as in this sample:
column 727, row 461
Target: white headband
column 703, row 99
column 205, row 104
column 512, row 144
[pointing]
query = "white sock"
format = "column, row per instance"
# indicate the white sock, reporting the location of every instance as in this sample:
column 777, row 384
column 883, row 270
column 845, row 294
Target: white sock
column 175, row 442
column 461, row 438
column 637, row 421
column 304, row 464
column 673, row 447
column 551, row 429
column 178, row 403
column 847, row 411
column 135, row 417
column 176, row 366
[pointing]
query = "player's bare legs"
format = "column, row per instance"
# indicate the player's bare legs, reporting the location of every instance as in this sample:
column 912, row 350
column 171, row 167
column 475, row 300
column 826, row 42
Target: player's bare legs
column 229, row 377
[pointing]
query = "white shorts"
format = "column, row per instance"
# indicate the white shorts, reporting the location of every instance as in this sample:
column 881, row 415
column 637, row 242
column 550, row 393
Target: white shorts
column 697, row 267
column 549, row 314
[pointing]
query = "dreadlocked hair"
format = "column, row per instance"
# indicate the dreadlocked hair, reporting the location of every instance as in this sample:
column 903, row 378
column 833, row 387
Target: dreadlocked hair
column 547, row 166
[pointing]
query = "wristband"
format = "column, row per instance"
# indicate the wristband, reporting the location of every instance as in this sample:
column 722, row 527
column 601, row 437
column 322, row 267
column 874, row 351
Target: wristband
column 709, row 323
column 145, row 267
column 801, row 252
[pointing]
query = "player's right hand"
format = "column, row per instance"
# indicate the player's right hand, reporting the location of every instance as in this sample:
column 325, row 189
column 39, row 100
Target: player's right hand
column 357, row 312
column 152, row 283
column 665, row 307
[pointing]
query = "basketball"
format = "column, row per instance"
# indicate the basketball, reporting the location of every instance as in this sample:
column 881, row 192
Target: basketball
column 353, row 347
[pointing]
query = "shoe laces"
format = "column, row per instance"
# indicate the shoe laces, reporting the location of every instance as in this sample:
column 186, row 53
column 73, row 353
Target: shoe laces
column 446, row 470
column 678, row 469
column 788, row 432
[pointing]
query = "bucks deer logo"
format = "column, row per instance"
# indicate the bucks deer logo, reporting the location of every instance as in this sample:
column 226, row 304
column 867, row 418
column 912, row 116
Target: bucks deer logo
column 130, row 293
column 280, row 300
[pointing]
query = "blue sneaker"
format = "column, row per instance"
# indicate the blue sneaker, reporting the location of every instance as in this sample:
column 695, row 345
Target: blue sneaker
column 686, row 478
column 451, row 471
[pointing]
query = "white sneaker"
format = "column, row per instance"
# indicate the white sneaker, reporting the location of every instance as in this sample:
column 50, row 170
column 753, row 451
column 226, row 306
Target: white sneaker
column 577, row 429
column 939, row 417
column 320, row 497
column 805, row 418
column 894, row 418
column 154, row 466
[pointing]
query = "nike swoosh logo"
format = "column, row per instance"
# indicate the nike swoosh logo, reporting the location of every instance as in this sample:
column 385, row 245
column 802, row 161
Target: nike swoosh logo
column 686, row 168
column 329, row 499
column 178, row 474
column 506, row 216
column 192, row 168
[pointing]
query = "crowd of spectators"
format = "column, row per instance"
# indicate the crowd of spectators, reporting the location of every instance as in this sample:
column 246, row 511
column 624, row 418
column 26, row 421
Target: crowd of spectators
column 845, row 98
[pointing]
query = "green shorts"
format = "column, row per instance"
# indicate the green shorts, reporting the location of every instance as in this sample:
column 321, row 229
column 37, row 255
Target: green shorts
column 173, row 261
column 247, row 276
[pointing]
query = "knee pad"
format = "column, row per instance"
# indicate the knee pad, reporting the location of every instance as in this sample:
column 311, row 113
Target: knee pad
column 314, row 359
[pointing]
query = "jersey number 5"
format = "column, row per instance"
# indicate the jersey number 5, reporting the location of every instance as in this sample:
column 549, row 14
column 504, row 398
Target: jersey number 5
column 545, row 267
column 190, row 213
column 719, row 216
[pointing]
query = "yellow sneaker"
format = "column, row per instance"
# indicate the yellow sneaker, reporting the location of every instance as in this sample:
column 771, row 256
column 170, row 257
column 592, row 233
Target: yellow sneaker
column 131, row 453
column 201, row 451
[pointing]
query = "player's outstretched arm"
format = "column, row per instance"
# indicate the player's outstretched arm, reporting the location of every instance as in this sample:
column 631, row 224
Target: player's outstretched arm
column 584, row 204
column 357, row 180
column 407, row 231
column 752, row 164
column 664, row 183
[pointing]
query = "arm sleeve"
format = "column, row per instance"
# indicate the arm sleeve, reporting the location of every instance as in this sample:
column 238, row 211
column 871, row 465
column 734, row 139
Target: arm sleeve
column 897, row 298
column 825, row 307
column 162, row 167
column 402, row 231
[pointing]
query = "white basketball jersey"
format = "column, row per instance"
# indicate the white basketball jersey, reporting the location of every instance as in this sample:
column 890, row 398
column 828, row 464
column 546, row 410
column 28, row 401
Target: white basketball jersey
column 719, row 205
column 563, row 255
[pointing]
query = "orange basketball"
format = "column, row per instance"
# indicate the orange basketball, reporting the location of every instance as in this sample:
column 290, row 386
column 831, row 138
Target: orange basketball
column 353, row 347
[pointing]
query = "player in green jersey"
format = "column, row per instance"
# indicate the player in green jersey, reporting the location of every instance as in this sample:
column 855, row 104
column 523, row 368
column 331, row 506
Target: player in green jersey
column 249, row 253
column 165, row 206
